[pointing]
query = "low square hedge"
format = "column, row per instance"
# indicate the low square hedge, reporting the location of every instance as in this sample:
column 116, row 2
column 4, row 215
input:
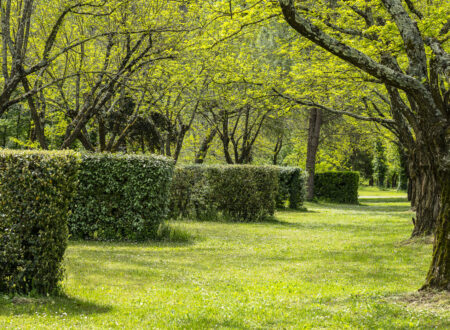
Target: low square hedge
column 337, row 187
column 120, row 197
column 291, row 187
column 36, row 189
column 232, row 192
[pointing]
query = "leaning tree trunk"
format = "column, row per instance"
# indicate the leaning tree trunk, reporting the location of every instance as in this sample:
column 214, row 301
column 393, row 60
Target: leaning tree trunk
column 315, row 122
column 439, row 273
column 425, row 197
column 204, row 147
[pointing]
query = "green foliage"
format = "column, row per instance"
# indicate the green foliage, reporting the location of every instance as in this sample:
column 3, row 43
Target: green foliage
column 291, row 187
column 338, row 187
column 36, row 189
column 120, row 197
column 236, row 193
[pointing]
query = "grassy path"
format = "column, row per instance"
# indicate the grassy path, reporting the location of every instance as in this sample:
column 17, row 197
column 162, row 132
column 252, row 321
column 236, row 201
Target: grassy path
column 331, row 267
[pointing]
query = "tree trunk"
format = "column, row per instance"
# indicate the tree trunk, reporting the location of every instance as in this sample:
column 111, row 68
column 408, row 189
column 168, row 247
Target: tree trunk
column 38, row 127
column 101, row 133
column 439, row 273
column 168, row 149
column 201, row 154
column 404, row 173
column 277, row 149
column 315, row 122
column 226, row 141
column 4, row 136
column 179, row 144
column 410, row 191
column 425, row 197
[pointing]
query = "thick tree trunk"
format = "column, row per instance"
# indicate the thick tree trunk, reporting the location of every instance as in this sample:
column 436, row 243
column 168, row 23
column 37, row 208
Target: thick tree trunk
column 425, row 195
column 439, row 273
column 315, row 122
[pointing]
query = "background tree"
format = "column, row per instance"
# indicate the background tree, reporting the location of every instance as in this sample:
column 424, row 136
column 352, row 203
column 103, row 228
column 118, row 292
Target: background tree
column 380, row 167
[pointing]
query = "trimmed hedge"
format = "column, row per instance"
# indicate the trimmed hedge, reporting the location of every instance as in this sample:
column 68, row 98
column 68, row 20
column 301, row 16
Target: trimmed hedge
column 35, row 191
column 291, row 187
column 337, row 187
column 236, row 193
column 121, row 197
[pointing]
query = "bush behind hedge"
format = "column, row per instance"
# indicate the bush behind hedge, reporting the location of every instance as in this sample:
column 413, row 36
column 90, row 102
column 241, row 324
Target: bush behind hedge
column 121, row 197
column 35, row 191
column 337, row 187
column 236, row 193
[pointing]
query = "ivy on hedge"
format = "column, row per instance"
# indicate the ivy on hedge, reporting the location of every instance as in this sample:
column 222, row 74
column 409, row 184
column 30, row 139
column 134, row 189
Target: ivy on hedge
column 236, row 193
column 337, row 187
column 120, row 197
column 35, row 191
column 291, row 187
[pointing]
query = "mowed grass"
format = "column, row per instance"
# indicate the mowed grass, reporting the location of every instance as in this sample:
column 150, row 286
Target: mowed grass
column 334, row 267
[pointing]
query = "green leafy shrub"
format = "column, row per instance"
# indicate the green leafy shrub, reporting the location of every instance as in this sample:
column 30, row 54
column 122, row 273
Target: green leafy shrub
column 120, row 197
column 35, row 191
column 338, row 187
column 236, row 193
column 291, row 187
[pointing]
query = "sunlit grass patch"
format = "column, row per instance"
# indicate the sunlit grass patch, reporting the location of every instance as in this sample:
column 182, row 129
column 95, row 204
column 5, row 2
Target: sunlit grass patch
column 335, row 266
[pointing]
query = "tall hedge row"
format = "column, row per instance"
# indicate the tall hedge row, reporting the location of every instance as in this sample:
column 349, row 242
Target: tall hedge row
column 291, row 187
column 237, row 193
column 337, row 187
column 35, row 191
column 120, row 197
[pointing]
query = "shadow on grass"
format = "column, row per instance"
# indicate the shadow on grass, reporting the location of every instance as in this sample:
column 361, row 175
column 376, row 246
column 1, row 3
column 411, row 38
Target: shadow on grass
column 364, row 208
column 62, row 305
column 144, row 244
column 383, row 200
column 301, row 211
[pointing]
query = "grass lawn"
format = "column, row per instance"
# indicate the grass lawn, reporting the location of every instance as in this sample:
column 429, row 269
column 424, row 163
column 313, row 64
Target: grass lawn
column 331, row 267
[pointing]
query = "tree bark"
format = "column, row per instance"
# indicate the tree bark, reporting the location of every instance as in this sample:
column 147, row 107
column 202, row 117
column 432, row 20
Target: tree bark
column 439, row 274
column 226, row 140
column 180, row 139
column 315, row 123
column 101, row 133
column 404, row 173
column 38, row 127
column 425, row 194
column 203, row 151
